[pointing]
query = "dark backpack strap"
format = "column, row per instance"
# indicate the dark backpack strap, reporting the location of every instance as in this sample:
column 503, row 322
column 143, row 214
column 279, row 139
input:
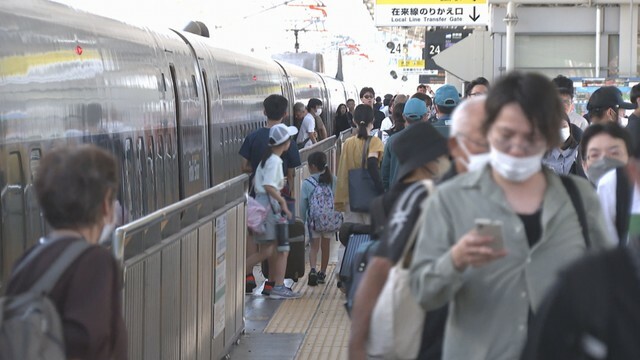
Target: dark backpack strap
column 624, row 194
column 576, row 200
column 47, row 281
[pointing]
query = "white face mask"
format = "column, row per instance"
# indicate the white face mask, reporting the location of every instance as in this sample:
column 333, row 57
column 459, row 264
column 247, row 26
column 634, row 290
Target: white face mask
column 318, row 111
column 474, row 161
column 565, row 133
column 516, row 169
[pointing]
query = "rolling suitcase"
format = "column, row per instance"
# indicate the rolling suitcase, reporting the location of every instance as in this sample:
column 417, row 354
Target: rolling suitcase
column 296, row 259
column 357, row 243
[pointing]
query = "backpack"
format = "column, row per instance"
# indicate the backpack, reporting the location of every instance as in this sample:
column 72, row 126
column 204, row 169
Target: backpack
column 30, row 326
column 322, row 216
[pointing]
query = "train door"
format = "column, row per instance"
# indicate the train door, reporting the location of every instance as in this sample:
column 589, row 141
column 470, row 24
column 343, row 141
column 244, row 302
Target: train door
column 13, row 210
column 191, row 130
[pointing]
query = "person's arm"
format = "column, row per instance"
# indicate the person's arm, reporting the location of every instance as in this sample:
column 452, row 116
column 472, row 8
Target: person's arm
column 246, row 166
column 438, row 268
column 374, row 172
column 291, row 173
column 312, row 137
column 374, row 278
column 305, row 191
column 275, row 195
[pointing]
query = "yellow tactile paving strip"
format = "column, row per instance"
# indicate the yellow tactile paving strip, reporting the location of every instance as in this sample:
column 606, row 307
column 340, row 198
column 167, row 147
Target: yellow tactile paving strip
column 320, row 315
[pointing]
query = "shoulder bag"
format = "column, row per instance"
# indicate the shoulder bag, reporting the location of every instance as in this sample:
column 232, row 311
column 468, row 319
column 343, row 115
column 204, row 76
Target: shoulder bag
column 362, row 189
column 397, row 320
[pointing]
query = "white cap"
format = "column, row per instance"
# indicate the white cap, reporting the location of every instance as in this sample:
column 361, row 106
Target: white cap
column 280, row 133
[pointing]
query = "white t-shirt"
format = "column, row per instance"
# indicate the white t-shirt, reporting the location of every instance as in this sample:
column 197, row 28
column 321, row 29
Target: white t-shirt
column 307, row 127
column 271, row 174
column 607, row 194
column 578, row 120
column 386, row 124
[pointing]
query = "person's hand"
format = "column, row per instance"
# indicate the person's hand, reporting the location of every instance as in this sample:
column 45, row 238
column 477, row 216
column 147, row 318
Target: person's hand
column 474, row 250
column 286, row 211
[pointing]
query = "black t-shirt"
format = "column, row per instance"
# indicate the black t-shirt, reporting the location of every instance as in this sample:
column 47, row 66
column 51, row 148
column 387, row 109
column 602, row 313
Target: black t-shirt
column 532, row 226
column 402, row 219
column 633, row 127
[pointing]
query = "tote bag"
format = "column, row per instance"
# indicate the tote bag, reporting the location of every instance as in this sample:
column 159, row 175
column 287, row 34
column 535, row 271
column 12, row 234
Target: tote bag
column 397, row 320
column 362, row 189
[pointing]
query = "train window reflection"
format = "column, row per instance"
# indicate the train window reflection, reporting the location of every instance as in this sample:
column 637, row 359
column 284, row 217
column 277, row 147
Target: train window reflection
column 34, row 162
column 128, row 169
column 140, row 159
column 14, row 174
column 151, row 175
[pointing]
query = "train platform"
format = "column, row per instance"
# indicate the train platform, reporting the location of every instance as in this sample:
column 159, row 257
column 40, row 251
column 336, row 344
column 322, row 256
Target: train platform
column 316, row 326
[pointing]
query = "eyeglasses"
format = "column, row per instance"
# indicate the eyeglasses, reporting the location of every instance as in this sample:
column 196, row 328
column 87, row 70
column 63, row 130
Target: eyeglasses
column 476, row 94
column 566, row 102
column 530, row 145
column 368, row 96
column 477, row 144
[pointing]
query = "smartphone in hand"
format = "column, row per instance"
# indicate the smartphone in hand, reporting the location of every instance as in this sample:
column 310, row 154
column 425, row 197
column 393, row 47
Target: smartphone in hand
column 493, row 228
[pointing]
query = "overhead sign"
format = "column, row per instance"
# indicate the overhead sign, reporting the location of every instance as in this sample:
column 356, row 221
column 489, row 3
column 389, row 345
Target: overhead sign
column 411, row 64
column 431, row 12
column 438, row 40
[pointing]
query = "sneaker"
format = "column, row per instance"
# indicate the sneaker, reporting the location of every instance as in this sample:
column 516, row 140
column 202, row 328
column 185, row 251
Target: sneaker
column 268, row 287
column 322, row 277
column 313, row 278
column 250, row 284
column 283, row 293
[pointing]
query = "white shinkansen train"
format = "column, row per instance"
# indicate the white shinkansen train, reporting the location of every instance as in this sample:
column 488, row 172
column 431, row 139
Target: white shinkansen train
column 170, row 105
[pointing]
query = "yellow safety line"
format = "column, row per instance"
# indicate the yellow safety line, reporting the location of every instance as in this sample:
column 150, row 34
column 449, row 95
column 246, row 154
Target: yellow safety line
column 320, row 315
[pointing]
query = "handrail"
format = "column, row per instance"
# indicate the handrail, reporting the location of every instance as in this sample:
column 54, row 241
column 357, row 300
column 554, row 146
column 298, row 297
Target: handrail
column 154, row 217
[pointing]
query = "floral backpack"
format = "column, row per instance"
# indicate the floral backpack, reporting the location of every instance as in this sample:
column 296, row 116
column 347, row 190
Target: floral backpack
column 322, row 216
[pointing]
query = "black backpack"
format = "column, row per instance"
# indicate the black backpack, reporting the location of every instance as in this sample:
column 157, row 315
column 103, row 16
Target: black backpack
column 30, row 326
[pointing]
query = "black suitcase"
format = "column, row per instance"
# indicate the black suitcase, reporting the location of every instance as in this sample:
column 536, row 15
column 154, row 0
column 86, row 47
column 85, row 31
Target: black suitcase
column 357, row 242
column 295, row 262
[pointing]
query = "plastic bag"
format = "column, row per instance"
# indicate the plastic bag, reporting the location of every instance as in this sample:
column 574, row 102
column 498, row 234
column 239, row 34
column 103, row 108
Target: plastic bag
column 256, row 216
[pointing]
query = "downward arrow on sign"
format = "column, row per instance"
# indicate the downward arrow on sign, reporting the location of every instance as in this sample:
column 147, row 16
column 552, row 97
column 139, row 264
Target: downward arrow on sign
column 474, row 17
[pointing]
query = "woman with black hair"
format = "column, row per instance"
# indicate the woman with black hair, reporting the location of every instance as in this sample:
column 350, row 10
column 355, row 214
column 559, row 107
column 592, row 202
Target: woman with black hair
column 563, row 159
column 351, row 158
column 341, row 121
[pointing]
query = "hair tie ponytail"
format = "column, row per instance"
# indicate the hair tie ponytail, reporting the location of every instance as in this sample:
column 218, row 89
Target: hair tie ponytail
column 362, row 123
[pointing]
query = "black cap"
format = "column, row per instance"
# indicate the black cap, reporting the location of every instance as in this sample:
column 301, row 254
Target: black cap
column 608, row 97
column 416, row 146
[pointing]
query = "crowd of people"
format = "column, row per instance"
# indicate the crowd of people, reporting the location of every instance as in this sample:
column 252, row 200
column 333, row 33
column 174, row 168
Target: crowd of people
column 515, row 220
column 557, row 192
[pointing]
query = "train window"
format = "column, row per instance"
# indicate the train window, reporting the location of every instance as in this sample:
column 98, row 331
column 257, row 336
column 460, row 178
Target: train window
column 34, row 162
column 195, row 85
column 14, row 172
column 160, row 172
column 129, row 192
column 151, row 175
column 140, row 165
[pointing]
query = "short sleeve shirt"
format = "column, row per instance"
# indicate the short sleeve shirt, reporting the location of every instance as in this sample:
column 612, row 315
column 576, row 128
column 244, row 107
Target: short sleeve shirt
column 403, row 217
column 308, row 126
column 269, row 174
column 255, row 145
